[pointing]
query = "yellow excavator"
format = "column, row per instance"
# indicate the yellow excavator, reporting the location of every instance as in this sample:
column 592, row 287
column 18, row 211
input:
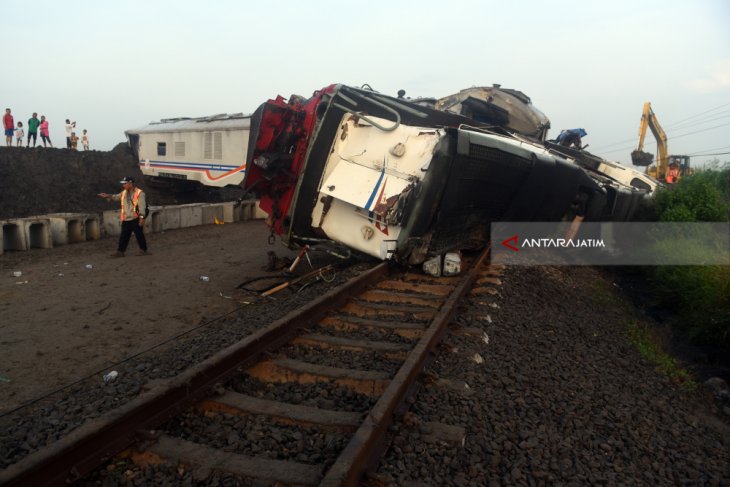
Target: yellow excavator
column 668, row 169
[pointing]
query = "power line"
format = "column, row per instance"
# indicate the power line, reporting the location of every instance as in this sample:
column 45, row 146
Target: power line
column 715, row 154
column 706, row 120
column 701, row 113
column 673, row 137
column 672, row 125
column 707, row 150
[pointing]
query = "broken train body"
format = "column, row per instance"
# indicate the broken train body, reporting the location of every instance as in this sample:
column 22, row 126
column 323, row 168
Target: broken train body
column 398, row 179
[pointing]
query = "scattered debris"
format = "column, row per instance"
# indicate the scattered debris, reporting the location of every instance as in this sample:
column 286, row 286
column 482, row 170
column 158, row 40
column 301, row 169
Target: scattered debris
column 204, row 278
column 110, row 377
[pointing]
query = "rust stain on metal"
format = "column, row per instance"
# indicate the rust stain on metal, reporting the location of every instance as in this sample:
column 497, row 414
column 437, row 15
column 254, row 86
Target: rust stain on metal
column 489, row 280
column 433, row 289
column 144, row 459
column 271, row 371
column 394, row 351
column 383, row 296
column 364, row 311
column 479, row 291
column 406, row 330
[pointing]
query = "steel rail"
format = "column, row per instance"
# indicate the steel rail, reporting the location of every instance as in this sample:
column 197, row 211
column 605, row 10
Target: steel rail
column 365, row 448
column 97, row 441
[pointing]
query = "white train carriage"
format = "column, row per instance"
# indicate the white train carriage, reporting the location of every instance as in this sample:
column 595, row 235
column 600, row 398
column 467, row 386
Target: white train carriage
column 210, row 150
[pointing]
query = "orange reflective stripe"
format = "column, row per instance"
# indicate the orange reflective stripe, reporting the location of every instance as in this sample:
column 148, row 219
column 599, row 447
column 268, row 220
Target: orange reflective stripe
column 135, row 198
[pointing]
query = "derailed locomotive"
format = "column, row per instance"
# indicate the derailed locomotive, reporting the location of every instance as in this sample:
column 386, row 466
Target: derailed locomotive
column 398, row 179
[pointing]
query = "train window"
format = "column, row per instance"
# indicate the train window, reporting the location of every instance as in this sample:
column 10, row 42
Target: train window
column 161, row 148
column 179, row 149
column 638, row 183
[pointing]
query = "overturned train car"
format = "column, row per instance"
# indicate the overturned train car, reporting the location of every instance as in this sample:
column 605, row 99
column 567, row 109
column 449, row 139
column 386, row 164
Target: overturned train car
column 398, row 180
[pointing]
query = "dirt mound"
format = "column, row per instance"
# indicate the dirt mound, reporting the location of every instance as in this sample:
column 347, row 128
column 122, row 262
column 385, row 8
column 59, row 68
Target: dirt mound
column 40, row 181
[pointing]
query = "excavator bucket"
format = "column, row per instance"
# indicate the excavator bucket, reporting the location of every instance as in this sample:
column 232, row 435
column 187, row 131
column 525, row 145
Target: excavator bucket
column 641, row 158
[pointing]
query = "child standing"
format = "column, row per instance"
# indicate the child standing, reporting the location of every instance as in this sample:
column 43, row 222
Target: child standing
column 19, row 134
column 74, row 140
column 85, row 140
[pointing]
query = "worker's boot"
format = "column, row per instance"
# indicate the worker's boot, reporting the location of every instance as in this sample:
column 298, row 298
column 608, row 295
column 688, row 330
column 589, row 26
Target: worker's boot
column 117, row 254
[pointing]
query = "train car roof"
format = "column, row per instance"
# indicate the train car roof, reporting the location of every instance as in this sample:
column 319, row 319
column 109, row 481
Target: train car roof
column 223, row 121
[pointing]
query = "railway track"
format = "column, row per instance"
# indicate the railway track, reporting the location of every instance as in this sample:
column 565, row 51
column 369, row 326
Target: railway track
column 305, row 401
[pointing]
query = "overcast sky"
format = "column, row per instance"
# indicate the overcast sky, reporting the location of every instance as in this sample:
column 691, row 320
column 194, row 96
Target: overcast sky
column 113, row 66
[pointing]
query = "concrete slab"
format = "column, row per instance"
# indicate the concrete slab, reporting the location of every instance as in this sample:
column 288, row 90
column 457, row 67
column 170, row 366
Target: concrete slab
column 212, row 212
column 13, row 235
column 92, row 226
column 191, row 215
column 170, row 218
column 111, row 225
column 37, row 233
column 258, row 213
column 248, row 209
column 67, row 227
column 154, row 219
column 231, row 211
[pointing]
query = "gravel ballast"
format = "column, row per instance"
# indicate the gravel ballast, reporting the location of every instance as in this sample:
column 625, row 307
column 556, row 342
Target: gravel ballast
column 561, row 398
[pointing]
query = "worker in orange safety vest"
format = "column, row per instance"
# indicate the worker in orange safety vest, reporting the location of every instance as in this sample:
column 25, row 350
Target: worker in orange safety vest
column 672, row 174
column 132, row 199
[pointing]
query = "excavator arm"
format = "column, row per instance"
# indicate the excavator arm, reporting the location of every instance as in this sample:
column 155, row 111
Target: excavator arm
column 641, row 158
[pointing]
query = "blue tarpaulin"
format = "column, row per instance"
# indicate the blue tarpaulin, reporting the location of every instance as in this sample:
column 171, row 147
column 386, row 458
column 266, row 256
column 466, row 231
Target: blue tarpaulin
column 567, row 134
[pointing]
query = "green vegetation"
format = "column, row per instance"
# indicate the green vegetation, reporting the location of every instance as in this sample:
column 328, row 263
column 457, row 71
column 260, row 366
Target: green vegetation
column 699, row 295
column 641, row 336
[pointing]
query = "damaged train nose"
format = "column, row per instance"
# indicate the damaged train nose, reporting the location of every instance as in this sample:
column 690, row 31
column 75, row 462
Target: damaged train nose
column 398, row 179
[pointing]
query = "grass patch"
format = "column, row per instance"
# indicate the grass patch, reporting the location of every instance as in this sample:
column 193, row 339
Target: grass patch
column 602, row 293
column 641, row 336
column 699, row 296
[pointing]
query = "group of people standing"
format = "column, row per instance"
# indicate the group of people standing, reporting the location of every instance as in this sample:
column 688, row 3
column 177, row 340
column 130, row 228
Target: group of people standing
column 34, row 124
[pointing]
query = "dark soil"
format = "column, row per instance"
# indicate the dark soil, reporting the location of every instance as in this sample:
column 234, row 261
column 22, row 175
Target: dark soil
column 706, row 360
column 40, row 181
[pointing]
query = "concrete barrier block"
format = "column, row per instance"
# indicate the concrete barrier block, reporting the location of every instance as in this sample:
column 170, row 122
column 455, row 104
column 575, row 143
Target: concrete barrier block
column 170, row 218
column 258, row 213
column 154, row 220
column 13, row 235
column 92, row 227
column 191, row 215
column 37, row 232
column 111, row 224
column 232, row 211
column 67, row 227
column 211, row 213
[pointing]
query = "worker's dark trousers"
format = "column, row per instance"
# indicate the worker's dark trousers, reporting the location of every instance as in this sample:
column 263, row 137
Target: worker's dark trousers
column 129, row 227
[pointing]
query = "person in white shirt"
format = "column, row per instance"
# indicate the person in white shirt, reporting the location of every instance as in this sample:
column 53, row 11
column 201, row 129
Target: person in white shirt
column 85, row 140
column 69, row 128
column 19, row 134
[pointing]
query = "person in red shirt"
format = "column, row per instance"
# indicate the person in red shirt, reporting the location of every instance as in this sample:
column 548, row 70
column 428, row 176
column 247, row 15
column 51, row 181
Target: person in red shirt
column 9, row 125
